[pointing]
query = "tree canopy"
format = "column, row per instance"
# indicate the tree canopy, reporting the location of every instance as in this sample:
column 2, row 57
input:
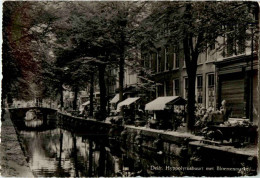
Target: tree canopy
column 50, row 44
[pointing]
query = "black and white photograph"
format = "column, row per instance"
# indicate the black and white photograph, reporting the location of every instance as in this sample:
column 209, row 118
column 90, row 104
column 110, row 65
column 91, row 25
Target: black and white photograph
column 130, row 89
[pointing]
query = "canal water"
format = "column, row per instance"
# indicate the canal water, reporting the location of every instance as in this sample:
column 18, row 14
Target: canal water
column 54, row 151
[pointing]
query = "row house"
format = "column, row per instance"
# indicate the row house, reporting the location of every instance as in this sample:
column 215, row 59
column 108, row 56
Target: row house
column 130, row 81
column 169, row 72
column 229, row 74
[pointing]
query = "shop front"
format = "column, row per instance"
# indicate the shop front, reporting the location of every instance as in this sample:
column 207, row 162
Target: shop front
column 130, row 108
column 237, row 85
column 166, row 112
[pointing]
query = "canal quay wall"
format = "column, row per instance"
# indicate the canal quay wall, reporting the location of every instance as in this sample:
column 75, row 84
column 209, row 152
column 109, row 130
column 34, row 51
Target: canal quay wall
column 12, row 159
column 186, row 148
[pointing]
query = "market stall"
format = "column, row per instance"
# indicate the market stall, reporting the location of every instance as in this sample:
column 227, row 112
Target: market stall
column 114, row 101
column 166, row 112
column 129, row 107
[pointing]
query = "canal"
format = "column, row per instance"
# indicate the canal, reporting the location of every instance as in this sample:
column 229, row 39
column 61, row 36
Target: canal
column 52, row 150
column 68, row 147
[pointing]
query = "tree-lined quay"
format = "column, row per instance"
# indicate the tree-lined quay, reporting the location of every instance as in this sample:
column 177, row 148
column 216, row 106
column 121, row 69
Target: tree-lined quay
column 180, row 67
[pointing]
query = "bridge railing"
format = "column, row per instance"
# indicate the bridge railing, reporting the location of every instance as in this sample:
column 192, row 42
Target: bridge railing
column 32, row 103
column 13, row 106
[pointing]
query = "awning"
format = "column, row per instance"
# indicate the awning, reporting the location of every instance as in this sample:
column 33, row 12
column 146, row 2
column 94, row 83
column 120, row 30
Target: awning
column 127, row 102
column 115, row 99
column 86, row 103
column 161, row 102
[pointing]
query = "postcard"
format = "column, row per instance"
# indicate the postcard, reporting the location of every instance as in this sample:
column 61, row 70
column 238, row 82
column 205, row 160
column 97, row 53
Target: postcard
column 130, row 88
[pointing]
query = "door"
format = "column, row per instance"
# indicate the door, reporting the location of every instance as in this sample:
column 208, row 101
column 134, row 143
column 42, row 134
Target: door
column 232, row 90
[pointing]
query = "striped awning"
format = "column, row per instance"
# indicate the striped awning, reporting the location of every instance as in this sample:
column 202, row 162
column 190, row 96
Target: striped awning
column 161, row 102
column 127, row 102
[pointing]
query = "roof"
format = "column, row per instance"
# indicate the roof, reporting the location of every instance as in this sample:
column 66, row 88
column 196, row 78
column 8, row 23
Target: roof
column 161, row 102
column 127, row 102
column 86, row 103
column 115, row 99
column 235, row 58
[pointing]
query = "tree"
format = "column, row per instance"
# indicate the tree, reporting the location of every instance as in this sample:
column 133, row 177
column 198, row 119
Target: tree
column 124, row 19
column 104, row 31
column 24, row 28
column 90, row 40
column 195, row 26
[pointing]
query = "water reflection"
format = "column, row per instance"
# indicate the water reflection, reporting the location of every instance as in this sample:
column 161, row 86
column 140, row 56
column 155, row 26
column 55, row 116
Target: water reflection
column 33, row 124
column 57, row 153
column 33, row 118
column 62, row 153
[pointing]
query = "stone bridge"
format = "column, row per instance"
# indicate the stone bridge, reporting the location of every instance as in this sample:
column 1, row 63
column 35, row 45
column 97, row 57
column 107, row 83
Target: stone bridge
column 17, row 113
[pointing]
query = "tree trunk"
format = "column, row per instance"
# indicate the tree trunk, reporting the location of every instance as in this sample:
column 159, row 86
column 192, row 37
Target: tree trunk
column 91, row 95
column 122, row 68
column 102, row 86
column 121, row 77
column 90, row 158
column 61, row 145
column 101, row 162
column 121, row 80
column 191, row 58
column 74, row 154
column 76, row 90
column 191, row 100
column 61, row 96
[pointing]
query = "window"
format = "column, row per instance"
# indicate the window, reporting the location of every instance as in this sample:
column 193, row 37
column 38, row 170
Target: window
column 210, row 80
column 242, row 39
column 186, row 83
column 241, row 46
column 157, row 91
column 161, row 90
column 158, row 62
column 200, row 99
column 166, row 55
column 210, row 92
column 234, row 46
column 230, row 45
column 177, row 61
column 169, row 88
column 150, row 60
column 176, row 87
column 199, row 81
column 199, row 89
column 201, row 57
column 147, row 61
column 174, row 60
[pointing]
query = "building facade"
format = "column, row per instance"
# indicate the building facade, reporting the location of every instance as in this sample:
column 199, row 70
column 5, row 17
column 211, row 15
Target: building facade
column 230, row 75
column 169, row 72
column 130, row 81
